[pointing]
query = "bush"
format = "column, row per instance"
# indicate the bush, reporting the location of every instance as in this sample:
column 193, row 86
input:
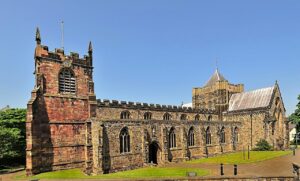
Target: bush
column 262, row 145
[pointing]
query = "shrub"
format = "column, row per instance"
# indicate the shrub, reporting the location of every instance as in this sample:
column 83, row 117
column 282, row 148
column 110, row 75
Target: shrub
column 262, row 145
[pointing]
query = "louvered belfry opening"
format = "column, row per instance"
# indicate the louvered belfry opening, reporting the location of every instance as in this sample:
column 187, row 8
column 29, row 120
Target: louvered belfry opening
column 67, row 82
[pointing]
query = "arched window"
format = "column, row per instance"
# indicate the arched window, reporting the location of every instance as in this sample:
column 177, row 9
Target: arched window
column 67, row 81
column 125, row 115
column 167, row 116
column 222, row 135
column 124, row 141
column 191, row 137
column 273, row 127
column 208, row 136
column 209, row 118
column 236, row 135
column 183, row 117
column 147, row 115
column 172, row 138
column 197, row 117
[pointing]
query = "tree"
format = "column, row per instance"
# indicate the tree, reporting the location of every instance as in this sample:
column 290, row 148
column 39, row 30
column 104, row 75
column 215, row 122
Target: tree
column 12, row 136
column 295, row 117
column 262, row 145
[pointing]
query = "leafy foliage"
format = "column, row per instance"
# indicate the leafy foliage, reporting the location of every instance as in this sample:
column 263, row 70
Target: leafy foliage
column 262, row 145
column 295, row 117
column 12, row 136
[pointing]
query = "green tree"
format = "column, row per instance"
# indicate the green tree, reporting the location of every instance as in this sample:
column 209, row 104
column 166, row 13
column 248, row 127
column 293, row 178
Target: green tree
column 262, row 145
column 12, row 136
column 295, row 117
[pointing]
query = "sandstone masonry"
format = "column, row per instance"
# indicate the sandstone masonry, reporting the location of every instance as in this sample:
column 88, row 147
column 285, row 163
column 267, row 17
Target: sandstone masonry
column 67, row 127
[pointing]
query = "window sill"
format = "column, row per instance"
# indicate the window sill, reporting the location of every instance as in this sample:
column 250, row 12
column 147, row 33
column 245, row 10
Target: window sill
column 126, row 153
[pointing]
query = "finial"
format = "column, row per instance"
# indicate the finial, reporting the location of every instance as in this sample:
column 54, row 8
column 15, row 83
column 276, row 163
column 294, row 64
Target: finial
column 217, row 68
column 276, row 82
column 90, row 48
column 38, row 36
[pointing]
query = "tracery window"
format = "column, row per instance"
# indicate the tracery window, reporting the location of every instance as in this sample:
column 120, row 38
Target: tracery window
column 147, row 115
column 167, row 116
column 67, row 81
column 191, row 137
column 125, row 115
column 124, row 141
column 172, row 138
column 197, row 117
column 208, row 136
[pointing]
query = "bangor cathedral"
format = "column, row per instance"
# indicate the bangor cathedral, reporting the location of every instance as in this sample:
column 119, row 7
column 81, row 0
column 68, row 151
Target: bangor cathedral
column 67, row 127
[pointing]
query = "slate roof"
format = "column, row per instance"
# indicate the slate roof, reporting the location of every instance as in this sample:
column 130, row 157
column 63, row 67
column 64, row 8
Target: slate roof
column 259, row 98
column 217, row 76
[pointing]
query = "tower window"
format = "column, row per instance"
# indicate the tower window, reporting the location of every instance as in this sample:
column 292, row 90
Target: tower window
column 67, row 82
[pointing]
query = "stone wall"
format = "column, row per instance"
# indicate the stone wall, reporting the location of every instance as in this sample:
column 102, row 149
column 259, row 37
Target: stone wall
column 106, row 144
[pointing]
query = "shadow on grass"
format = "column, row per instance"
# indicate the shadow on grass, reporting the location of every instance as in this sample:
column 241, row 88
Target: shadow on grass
column 142, row 173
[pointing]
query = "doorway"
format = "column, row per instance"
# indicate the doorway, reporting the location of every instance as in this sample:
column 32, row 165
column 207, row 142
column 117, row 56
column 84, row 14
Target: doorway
column 153, row 148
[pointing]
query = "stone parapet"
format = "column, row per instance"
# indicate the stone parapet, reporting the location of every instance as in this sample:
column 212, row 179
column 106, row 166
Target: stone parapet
column 154, row 107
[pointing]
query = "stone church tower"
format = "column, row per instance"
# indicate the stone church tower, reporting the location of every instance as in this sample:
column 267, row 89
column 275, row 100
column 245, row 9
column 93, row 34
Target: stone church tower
column 62, row 101
column 215, row 94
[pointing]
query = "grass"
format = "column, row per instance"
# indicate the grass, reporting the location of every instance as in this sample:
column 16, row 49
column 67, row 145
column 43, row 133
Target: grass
column 149, row 172
column 238, row 158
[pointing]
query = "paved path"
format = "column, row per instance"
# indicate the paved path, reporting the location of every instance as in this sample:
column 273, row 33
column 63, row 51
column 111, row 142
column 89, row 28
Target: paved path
column 281, row 166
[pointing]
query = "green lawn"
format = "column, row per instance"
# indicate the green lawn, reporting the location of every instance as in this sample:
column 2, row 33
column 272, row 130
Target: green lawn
column 238, row 158
column 149, row 172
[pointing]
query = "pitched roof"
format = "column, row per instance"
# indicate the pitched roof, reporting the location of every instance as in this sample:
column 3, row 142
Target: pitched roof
column 259, row 98
column 215, row 78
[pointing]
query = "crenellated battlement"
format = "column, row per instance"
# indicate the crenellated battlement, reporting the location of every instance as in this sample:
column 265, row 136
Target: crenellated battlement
column 153, row 107
column 58, row 55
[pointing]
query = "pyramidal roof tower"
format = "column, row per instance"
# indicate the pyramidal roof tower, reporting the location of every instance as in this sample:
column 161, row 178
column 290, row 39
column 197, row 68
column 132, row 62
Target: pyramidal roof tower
column 215, row 94
column 216, row 77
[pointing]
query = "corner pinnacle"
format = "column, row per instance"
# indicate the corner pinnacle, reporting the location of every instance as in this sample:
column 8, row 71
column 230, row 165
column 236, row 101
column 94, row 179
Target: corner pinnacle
column 38, row 36
column 90, row 47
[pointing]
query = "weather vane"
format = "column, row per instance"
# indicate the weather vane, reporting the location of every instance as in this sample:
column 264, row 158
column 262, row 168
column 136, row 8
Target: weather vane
column 62, row 35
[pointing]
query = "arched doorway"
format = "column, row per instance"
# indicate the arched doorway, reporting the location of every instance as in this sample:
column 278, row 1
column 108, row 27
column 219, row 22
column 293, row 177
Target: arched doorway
column 153, row 148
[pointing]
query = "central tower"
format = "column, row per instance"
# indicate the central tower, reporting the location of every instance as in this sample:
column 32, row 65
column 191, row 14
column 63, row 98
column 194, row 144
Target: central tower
column 215, row 94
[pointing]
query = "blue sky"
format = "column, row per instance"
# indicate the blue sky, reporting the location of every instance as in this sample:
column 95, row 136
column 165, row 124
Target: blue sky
column 156, row 51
